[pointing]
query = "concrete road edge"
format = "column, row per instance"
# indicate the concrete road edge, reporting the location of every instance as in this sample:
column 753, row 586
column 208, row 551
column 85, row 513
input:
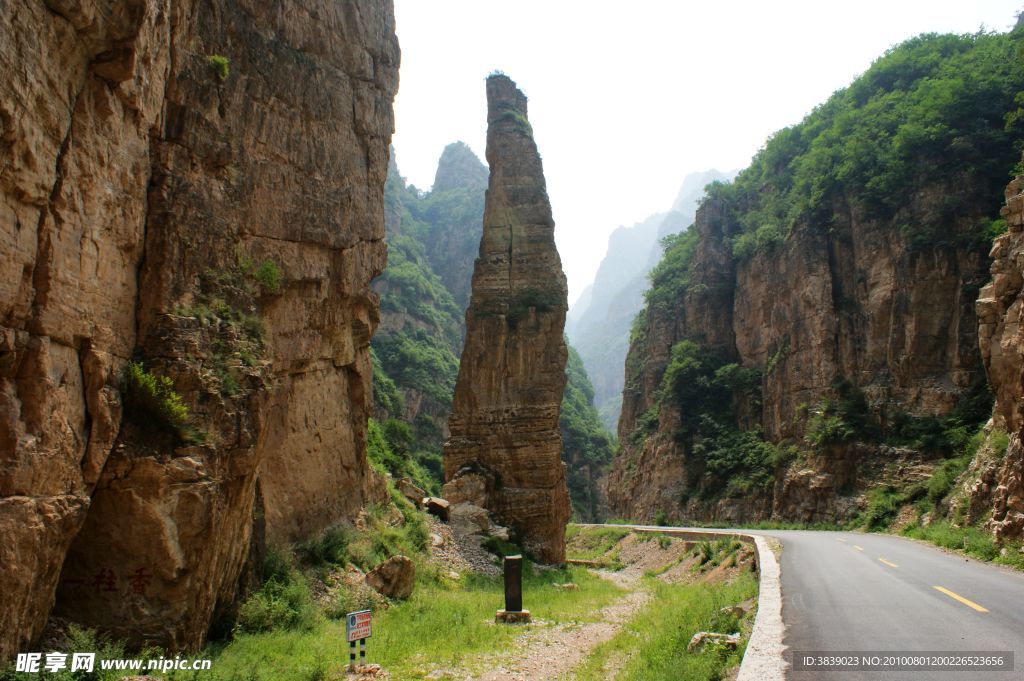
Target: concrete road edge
column 763, row 660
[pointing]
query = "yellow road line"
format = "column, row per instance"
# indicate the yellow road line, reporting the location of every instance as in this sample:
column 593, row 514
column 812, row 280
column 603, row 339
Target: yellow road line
column 957, row 597
column 883, row 560
column 859, row 548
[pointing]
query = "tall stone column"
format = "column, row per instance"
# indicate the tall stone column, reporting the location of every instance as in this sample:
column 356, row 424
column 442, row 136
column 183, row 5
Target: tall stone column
column 504, row 422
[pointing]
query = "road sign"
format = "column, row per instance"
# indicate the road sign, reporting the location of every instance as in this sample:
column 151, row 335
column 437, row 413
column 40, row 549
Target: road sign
column 357, row 625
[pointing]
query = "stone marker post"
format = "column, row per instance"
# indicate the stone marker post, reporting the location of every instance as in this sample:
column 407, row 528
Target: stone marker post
column 513, row 612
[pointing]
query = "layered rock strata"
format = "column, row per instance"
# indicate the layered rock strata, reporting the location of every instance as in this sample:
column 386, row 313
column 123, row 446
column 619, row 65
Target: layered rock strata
column 197, row 185
column 1000, row 487
column 855, row 302
column 504, row 422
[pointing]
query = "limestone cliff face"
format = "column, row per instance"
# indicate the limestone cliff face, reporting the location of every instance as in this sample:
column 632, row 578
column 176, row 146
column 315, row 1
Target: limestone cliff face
column 857, row 301
column 143, row 181
column 504, row 422
column 1000, row 305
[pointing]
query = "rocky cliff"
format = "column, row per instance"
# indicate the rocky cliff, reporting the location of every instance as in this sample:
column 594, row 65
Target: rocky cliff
column 198, row 187
column 598, row 324
column 1000, row 488
column 504, row 422
column 814, row 334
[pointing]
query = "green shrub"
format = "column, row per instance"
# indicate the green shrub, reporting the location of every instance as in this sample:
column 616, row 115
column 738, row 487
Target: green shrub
column 660, row 518
column 268, row 275
column 152, row 399
column 79, row 639
column 883, row 504
column 220, row 65
column 330, row 548
column 281, row 603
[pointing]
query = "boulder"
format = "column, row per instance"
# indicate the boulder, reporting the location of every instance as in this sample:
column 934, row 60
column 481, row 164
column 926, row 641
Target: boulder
column 411, row 491
column 468, row 519
column 393, row 578
column 437, row 506
column 473, row 484
column 703, row 637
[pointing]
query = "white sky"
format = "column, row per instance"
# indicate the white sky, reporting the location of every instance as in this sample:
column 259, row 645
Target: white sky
column 628, row 96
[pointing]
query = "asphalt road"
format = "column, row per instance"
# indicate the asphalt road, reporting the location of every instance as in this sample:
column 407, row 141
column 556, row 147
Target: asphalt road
column 847, row 592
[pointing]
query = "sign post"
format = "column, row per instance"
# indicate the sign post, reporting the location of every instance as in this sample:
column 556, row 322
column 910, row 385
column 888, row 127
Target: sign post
column 357, row 628
column 513, row 612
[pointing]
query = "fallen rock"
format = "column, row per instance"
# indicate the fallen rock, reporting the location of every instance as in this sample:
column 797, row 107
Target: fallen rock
column 566, row 587
column 740, row 610
column 394, row 578
column 436, row 540
column 473, row 484
column 366, row 671
column 437, row 506
column 411, row 491
column 469, row 519
column 499, row 532
column 702, row 637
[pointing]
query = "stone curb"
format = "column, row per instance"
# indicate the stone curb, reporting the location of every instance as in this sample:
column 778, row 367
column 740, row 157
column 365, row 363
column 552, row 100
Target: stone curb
column 763, row 659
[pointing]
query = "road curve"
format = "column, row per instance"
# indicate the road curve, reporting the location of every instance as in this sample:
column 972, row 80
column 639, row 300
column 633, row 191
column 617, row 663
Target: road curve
column 856, row 592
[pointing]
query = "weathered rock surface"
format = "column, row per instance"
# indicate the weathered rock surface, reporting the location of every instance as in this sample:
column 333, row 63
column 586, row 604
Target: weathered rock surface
column 394, row 578
column 856, row 301
column 1001, row 338
column 410, row 491
column 512, row 374
column 139, row 189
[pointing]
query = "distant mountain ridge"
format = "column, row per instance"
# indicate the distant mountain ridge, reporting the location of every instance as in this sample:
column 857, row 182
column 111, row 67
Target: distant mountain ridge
column 598, row 323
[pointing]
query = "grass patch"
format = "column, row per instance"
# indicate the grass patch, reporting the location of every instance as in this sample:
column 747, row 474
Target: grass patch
column 973, row 541
column 220, row 64
column 655, row 640
column 443, row 624
column 80, row 640
column 152, row 401
column 592, row 543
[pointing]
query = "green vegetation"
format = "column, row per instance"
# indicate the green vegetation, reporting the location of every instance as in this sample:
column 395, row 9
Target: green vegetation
column 283, row 602
column 79, row 639
column 711, row 395
column 939, row 113
column 655, row 640
column 592, row 543
column 220, row 65
column 151, row 400
column 940, row 497
column 416, row 351
column 390, row 448
column 975, row 542
column 413, row 637
column 935, row 108
column 268, row 276
column 587, row 448
column 519, row 119
column 416, row 356
column 671, row 278
column 711, row 553
column 531, row 299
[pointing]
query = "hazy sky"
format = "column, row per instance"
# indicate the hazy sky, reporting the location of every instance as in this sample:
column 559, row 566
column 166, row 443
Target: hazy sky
column 627, row 97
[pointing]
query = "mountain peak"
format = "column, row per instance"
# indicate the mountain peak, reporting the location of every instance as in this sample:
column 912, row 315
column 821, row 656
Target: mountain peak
column 459, row 167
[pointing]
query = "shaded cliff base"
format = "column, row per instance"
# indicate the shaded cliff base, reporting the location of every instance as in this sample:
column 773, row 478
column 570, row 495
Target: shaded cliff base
column 958, row 503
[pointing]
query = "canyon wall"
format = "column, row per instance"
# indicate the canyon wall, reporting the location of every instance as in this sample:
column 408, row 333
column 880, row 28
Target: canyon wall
column 505, row 413
column 1000, row 305
column 197, row 186
column 855, row 303
column 811, row 345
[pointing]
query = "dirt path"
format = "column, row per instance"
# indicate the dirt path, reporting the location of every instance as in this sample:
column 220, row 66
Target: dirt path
column 551, row 652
